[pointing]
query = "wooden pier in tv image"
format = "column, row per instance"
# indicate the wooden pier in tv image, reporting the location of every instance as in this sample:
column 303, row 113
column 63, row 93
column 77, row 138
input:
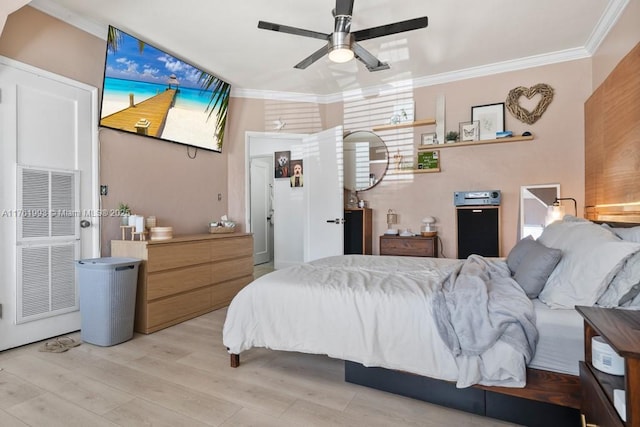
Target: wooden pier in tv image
column 146, row 118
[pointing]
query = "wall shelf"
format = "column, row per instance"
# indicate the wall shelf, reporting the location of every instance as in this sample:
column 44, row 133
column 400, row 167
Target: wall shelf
column 403, row 171
column 424, row 122
column 482, row 142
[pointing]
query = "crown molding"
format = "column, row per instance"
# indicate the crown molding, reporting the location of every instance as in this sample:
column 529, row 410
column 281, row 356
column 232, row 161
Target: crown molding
column 453, row 76
column 608, row 19
column 71, row 18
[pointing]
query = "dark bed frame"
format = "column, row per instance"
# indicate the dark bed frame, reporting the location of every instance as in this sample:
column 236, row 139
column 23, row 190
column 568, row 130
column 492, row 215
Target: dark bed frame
column 549, row 398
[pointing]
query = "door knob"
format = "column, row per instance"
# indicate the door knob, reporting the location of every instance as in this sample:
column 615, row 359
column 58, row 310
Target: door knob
column 336, row 221
column 84, row 223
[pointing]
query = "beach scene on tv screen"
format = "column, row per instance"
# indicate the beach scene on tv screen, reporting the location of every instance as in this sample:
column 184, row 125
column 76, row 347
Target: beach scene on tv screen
column 149, row 92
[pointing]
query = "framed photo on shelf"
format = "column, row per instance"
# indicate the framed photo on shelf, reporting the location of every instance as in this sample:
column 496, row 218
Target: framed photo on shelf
column 470, row 131
column 491, row 118
column 429, row 139
column 404, row 112
column 429, row 160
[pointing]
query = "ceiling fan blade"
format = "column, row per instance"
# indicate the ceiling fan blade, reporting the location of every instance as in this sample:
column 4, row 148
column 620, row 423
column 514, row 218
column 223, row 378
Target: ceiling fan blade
column 372, row 63
column 311, row 58
column 292, row 30
column 343, row 7
column 385, row 30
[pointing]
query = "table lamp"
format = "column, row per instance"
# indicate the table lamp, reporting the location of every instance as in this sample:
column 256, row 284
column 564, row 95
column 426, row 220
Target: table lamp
column 556, row 211
column 428, row 228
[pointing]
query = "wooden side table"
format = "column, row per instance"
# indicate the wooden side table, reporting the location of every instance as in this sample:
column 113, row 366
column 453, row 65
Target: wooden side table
column 621, row 330
column 409, row 246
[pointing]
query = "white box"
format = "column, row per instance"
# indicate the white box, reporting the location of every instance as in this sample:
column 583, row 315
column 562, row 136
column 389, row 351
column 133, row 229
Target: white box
column 604, row 358
column 620, row 403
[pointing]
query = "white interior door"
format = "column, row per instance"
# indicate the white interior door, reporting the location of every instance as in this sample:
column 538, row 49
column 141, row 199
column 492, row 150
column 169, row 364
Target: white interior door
column 261, row 208
column 48, row 185
column 324, row 182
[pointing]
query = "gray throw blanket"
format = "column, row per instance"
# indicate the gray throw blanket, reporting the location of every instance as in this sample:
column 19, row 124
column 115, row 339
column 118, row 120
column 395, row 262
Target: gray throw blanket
column 479, row 303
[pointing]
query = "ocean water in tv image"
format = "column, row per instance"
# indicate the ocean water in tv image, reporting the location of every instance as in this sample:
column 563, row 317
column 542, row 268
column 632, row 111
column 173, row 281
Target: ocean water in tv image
column 118, row 89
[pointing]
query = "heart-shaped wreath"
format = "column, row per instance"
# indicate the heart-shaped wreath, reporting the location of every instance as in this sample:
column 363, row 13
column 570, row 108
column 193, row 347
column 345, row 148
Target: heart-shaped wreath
column 529, row 117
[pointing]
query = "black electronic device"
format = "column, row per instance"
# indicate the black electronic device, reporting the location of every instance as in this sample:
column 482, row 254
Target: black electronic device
column 477, row 198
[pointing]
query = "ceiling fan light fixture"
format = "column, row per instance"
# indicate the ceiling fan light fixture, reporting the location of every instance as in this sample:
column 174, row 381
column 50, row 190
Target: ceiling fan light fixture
column 340, row 48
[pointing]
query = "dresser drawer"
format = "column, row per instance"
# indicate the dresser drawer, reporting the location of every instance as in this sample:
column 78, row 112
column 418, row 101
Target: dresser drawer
column 234, row 247
column 223, row 293
column 164, row 283
column 175, row 309
column 221, row 271
column 408, row 246
column 164, row 257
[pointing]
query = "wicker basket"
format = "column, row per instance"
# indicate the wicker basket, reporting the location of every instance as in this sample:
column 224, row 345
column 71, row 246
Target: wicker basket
column 216, row 230
column 161, row 233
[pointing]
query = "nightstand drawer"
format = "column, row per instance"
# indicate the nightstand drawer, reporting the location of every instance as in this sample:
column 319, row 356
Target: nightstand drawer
column 409, row 246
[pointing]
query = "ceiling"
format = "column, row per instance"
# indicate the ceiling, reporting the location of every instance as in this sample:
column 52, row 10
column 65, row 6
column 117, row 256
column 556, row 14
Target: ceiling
column 464, row 38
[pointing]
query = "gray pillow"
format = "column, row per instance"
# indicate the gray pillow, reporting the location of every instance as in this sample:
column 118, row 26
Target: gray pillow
column 518, row 253
column 536, row 267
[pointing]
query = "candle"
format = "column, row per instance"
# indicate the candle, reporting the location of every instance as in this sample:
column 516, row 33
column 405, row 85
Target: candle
column 139, row 223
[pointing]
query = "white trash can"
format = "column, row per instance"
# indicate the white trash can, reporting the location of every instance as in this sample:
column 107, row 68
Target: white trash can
column 107, row 299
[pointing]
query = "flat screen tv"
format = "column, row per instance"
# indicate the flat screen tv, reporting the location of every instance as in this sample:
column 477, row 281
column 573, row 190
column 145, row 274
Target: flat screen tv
column 149, row 92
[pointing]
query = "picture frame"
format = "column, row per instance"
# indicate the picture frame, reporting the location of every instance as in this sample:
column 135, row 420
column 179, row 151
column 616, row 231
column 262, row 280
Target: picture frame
column 491, row 118
column 403, row 113
column 470, row 131
column 428, row 139
column 281, row 161
column 429, row 160
column 296, row 173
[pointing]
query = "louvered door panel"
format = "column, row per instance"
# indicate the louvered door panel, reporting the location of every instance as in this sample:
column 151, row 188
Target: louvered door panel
column 33, row 215
column 48, row 243
column 64, row 218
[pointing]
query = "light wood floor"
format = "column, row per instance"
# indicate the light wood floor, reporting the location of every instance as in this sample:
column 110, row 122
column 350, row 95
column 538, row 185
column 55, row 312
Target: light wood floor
column 180, row 376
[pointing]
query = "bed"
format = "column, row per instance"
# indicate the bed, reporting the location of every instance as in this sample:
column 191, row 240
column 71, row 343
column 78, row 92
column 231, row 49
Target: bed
column 383, row 316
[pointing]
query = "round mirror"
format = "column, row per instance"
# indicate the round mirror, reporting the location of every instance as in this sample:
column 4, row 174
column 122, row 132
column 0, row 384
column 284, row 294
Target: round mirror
column 366, row 159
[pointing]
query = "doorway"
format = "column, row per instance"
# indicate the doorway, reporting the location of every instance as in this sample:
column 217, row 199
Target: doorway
column 307, row 220
column 261, row 207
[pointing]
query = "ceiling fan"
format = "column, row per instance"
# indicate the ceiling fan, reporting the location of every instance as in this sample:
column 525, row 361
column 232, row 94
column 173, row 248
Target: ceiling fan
column 342, row 44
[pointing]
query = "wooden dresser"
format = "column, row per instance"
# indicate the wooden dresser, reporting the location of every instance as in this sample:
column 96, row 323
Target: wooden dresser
column 621, row 330
column 409, row 246
column 186, row 276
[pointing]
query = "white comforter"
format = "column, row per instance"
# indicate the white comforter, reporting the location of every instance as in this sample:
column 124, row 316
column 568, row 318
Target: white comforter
column 368, row 309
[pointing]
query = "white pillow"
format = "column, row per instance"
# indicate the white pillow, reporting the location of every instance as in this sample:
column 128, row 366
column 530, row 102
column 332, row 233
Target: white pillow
column 625, row 286
column 591, row 256
column 631, row 234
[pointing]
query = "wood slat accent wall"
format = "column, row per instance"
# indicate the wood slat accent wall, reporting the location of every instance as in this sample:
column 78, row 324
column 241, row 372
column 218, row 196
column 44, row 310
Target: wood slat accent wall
column 612, row 137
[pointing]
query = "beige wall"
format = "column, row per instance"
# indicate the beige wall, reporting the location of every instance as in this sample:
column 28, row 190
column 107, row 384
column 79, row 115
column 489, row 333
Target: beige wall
column 556, row 155
column 157, row 178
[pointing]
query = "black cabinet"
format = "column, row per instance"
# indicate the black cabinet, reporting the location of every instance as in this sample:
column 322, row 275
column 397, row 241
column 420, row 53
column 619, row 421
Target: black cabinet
column 478, row 231
column 358, row 231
